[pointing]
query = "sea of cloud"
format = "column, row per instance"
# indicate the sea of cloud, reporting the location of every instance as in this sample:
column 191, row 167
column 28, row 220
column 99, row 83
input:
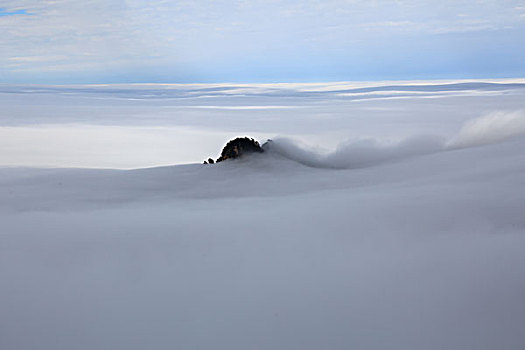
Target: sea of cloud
column 144, row 125
column 395, row 240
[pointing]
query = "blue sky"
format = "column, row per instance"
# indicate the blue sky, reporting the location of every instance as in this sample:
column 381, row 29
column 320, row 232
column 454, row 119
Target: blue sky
column 105, row 41
column 3, row 12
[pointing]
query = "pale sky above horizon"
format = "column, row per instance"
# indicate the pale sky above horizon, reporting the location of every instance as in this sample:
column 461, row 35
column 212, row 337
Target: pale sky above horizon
column 112, row 41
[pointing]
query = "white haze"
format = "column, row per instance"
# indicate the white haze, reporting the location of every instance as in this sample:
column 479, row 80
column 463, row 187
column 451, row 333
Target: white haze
column 492, row 128
column 392, row 240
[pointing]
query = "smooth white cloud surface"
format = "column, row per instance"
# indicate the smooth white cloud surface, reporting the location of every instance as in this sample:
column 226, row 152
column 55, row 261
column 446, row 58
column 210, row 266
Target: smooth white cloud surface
column 421, row 253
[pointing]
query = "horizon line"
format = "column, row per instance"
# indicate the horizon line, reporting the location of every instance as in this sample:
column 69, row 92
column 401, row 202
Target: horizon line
column 285, row 83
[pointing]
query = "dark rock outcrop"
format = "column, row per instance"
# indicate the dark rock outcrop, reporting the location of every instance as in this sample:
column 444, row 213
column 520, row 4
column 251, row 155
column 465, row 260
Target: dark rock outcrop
column 237, row 148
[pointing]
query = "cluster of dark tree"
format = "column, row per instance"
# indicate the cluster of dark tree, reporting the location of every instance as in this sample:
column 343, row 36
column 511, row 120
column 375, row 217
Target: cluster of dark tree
column 236, row 148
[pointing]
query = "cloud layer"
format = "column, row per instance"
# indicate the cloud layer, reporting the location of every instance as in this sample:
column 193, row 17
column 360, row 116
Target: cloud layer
column 489, row 129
